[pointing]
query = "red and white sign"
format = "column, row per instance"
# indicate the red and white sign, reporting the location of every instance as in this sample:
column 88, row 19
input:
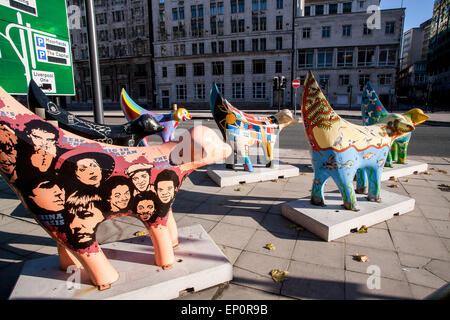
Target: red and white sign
column 296, row 83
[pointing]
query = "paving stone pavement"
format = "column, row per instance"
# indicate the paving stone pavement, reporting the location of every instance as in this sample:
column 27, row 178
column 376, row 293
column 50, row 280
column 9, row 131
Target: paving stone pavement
column 411, row 252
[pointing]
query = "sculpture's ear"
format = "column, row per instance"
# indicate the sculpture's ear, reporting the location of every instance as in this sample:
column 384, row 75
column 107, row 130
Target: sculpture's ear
column 416, row 115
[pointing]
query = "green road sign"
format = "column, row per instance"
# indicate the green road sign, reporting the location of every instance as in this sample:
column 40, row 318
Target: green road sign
column 35, row 44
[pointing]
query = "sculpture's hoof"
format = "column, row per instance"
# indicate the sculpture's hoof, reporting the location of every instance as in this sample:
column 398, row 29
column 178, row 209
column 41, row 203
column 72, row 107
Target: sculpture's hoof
column 166, row 266
column 104, row 286
column 317, row 201
column 269, row 164
column 175, row 246
column 248, row 167
column 374, row 198
column 350, row 206
column 362, row 190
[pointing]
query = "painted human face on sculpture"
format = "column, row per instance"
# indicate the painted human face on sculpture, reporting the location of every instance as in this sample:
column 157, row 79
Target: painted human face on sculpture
column 88, row 172
column 165, row 191
column 145, row 208
column 8, row 152
column 120, row 197
column 84, row 223
column 48, row 196
column 43, row 140
column 41, row 159
column 141, row 180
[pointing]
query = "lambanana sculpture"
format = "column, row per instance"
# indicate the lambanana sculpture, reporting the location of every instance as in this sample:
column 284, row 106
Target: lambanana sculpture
column 339, row 148
column 170, row 121
column 373, row 111
column 243, row 130
column 71, row 184
column 129, row 134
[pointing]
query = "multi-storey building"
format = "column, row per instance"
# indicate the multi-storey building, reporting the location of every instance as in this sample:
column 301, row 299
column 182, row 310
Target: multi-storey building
column 345, row 46
column 123, row 37
column 439, row 53
column 412, row 78
column 239, row 44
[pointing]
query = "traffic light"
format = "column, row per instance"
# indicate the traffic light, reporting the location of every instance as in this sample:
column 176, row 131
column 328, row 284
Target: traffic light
column 276, row 83
column 283, row 82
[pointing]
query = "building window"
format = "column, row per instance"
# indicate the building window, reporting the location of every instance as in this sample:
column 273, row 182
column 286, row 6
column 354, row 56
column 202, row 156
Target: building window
column 259, row 90
column 347, row 7
column 259, row 66
column 363, row 79
column 118, row 16
column 262, row 23
column 325, row 59
column 217, row 67
column 345, row 58
column 101, row 18
column 324, row 81
column 279, row 4
column 164, row 72
column 175, row 13
column 279, row 43
column 237, row 67
column 233, row 45
column 181, row 91
column 194, row 49
column 385, row 79
column 344, row 80
column 347, row 30
column 326, row 31
column 220, row 8
column 221, row 47
column 241, row 45
column 332, row 8
column 237, row 90
column 305, row 59
column 212, row 10
column 220, row 28
column 259, row 44
column 279, row 22
column 387, row 57
column 234, row 25
column 201, row 48
column 306, row 33
column 241, row 5
column 279, row 66
column 180, row 70
column 366, row 30
column 142, row 90
column 199, row 69
column 307, row 11
column 199, row 91
column 366, row 57
column 319, row 9
column 241, row 23
column 390, row 27
column 233, row 6
column 361, row 4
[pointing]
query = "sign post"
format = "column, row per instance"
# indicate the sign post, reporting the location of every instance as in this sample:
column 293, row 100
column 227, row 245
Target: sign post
column 34, row 44
column 296, row 85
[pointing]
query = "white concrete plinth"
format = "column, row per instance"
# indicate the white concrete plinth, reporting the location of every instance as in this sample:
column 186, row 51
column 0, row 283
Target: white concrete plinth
column 199, row 264
column 228, row 177
column 333, row 221
column 401, row 170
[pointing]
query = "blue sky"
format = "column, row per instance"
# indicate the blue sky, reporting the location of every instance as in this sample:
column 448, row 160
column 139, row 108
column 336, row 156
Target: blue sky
column 417, row 11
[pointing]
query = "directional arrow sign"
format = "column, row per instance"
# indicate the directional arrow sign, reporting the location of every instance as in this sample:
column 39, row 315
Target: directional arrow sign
column 34, row 44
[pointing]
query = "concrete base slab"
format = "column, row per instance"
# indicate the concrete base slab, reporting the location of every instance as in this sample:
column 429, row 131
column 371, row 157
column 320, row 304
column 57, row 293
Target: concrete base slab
column 333, row 221
column 199, row 264
column 228, row 177
column 401, row 170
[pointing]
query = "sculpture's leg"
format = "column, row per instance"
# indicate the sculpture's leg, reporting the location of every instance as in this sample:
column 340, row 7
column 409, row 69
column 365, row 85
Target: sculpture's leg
column 394, row 151
column 317, row 197
column 402, row 150
column 234, row 144
column 100, row 270
column 389, row 160
column 362, row 185
column 374, row 176
column 344, row 181
column 66, row 258
column 245, row 153
column 258, row 157
column 247, row 164
column 173, row 231
column 162, row 243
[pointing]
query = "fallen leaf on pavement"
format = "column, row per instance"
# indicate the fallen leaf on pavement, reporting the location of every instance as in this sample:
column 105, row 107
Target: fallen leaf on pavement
column 393, row 179
column 294, row 226
column 270, row 246
column 140, row 233
column 393, row 186
column 278, row 275
column 362, row 258
column 443, row 171
column 444, row 187
column 363, row 229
